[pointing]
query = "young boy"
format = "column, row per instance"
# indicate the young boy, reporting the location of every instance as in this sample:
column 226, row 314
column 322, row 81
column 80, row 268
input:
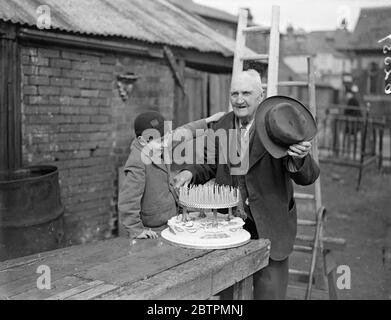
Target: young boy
column 147, row 199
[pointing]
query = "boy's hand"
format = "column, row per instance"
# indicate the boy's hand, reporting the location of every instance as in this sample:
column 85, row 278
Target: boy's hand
column 183, row 178
column 147, row 233
column 215, row 117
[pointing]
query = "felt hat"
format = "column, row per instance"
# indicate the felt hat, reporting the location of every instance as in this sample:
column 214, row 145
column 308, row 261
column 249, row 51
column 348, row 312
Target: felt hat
column 146, row 121
column 282, row 121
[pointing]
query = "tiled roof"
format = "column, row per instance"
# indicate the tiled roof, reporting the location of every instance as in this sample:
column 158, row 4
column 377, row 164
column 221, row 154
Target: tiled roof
column 373, row 24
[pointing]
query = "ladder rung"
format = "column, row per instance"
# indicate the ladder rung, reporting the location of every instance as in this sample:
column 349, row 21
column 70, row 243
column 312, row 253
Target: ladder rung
column 299, row 275
column 255, row 57
column 304, row 222
column 257, row 29
column 293, row 83
column 297, row 292
column 304, row 196
column 300, row 248
column 329, row 243
column 299, row 272
column 290, row 84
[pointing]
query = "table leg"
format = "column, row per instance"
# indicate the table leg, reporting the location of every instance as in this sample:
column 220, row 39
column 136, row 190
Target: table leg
column 243, row 290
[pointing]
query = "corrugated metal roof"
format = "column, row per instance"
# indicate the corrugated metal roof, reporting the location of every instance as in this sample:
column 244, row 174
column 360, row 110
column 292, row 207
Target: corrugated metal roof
column 154, row 21
column 206, row 11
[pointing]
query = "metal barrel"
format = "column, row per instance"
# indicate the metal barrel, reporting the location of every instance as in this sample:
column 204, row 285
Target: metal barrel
column 31, row 213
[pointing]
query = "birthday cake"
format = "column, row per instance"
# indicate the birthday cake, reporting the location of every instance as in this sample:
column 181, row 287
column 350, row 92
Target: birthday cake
column 204, row 229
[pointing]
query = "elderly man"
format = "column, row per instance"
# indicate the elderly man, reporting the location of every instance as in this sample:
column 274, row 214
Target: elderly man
column 265, row 185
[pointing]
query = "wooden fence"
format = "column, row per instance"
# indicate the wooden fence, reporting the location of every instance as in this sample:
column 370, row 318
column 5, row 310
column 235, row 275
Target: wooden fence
column 351, row 140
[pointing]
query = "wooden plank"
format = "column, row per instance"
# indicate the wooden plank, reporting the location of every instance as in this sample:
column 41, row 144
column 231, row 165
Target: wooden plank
column 256, row 29
column 175, row 68
column 219, row 87
column 305, row 249
column 204, row 84
column 315, row 151
column 86, row 285
column 304, row 222
column 274, row 53
column 64, row 261
column 243, row 290
column 300, row 276
column 180, row 104
column 329, row 243
column 17, row 277
column 10, row 87
column 289, row 84
column 3, row 107
column 200, row 278
column 304, row 196
column 141, row 265
column 93, row 292
column 57, row 287
column 298, row 293
column 255, row 57
column 240, row 42
column 215, row 89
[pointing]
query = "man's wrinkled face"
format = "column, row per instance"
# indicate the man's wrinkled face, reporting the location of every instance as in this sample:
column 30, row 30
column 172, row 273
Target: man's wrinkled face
column 245, row 96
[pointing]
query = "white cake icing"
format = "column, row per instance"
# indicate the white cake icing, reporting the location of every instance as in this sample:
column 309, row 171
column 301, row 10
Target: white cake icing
column 206, row 232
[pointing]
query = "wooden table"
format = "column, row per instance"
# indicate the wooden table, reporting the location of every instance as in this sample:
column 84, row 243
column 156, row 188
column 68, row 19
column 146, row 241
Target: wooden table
column 149, row 269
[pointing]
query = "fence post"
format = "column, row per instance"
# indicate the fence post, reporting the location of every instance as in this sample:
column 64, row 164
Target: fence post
column 363, row 144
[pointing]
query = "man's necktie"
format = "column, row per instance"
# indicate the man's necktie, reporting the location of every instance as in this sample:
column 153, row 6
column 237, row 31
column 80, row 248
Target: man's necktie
column 244, row 125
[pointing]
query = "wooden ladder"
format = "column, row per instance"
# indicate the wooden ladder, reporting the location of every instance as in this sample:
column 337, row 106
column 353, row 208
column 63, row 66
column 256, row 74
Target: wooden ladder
column 321, row 271
column 272, row 57
column 314, row 244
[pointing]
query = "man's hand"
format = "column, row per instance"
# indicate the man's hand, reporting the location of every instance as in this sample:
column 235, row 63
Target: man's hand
column 300, row 150
column 147, row 233
column 183, row 178
column 215, row 117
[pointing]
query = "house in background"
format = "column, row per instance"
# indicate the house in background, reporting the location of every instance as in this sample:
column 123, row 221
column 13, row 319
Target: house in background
column 370, row 59
column 226, row 24
column 69, row 93
column 331, row 65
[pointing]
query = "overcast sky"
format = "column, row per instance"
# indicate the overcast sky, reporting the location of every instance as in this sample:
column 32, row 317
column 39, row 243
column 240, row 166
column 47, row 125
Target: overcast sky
column 308, row 14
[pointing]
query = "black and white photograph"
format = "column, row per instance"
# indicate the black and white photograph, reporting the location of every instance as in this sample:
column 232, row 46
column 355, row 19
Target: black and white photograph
column 197, row 152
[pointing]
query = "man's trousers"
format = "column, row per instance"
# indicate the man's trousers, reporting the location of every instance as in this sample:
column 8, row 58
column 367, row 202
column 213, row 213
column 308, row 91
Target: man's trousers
column 271, row 282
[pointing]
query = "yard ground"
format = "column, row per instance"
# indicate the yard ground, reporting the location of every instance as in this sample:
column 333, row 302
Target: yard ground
column 363, row 218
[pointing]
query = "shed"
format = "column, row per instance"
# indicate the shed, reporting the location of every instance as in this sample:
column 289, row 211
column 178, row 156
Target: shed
column 74, row 75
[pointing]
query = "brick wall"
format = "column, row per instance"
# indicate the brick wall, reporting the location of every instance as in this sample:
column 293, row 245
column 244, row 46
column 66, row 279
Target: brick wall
column 74, row 118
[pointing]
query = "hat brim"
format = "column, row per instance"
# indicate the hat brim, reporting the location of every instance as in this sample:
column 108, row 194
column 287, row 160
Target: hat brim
column 274, row 149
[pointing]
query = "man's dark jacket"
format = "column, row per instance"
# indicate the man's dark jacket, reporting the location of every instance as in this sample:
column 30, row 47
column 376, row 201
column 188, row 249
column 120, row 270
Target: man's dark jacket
column 270, row 189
